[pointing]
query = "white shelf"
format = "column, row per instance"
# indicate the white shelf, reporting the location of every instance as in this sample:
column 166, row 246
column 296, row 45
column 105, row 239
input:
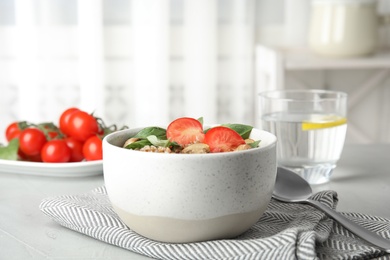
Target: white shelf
column 280, row 68
column 303, row 59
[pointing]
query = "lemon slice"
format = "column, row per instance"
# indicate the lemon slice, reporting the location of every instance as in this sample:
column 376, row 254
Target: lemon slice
column 323, row 121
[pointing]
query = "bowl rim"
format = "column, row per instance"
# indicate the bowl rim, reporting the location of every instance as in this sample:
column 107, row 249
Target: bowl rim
column 109, row 137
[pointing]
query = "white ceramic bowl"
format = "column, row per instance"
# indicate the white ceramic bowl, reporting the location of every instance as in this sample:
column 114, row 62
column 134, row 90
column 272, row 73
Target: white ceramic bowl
column 182, row 198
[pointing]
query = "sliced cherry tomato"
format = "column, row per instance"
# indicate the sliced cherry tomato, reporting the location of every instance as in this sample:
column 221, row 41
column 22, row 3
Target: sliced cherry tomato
column 12, row 131
column 222, row 139
column 92, row 149
column 185, row 131
column 82, row 125
column 31, row 141
column 64, row 119
column 76, row 148
column 55, row 151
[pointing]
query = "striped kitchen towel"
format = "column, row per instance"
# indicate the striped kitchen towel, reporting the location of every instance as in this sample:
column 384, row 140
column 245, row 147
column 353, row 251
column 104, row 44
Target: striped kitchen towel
column 285, row 231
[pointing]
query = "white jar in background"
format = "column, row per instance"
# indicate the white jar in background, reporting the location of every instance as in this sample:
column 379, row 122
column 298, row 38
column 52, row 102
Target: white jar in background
column 344, row 28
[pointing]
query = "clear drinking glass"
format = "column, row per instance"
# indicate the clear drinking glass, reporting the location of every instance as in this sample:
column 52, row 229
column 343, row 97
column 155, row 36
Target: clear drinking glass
column 310, row 126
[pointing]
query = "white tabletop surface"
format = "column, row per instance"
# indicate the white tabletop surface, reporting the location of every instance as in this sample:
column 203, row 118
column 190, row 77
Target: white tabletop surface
column 362, row 181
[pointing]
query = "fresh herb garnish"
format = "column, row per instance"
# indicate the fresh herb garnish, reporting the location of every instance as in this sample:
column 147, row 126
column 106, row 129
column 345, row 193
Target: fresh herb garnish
column 138, row 144
column 159, row 132
column 254, row 144
column 10, row 152
column 243, row 130
column 158, row 142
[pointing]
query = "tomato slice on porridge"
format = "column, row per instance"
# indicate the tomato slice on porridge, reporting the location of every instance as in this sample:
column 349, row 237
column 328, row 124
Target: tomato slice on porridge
column 185, row 131
column 222, row 139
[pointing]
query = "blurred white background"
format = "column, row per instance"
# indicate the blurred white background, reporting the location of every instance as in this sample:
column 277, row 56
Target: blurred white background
column 141, row 62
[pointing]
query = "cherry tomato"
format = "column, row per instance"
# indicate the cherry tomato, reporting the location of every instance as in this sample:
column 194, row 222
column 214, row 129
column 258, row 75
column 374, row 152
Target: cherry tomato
column 34, row 158
column 29, row 158
column 76, row 148
column 64, row 119
column 12, row 131
column 222, row 139
column 92, row 149
column 31, row 141
column 185, row 131
column 82, row 125
column 14, row 135
column 55, row 151
column 51, row 131
column 52, row 135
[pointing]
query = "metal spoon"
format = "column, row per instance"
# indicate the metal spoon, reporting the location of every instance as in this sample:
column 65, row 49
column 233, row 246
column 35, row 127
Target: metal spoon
column 290, row 187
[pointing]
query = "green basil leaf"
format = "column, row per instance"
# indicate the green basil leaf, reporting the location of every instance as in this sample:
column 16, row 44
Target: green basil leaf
column 158, row 142
column 243, row 130
column 255, row 144
column 138, row 144
column 10, row 152
column 153, row 130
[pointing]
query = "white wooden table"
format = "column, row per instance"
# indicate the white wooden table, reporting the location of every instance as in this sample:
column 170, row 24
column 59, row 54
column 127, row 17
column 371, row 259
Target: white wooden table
column 362, row 180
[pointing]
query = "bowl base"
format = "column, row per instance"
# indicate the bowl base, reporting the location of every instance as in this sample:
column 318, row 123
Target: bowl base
column 172, row 230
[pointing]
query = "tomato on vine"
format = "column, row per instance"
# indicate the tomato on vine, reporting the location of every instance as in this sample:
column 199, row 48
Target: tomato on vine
column 55, row 151
column 76, row 149
column 92, row 149
column 12, row 131
column 64, row 119
column 31, row 141
column 82, row 125
column 77, row 137
column 29, row 158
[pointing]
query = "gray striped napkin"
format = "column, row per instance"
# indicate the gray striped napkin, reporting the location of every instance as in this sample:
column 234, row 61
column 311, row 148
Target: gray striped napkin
column 285, row 231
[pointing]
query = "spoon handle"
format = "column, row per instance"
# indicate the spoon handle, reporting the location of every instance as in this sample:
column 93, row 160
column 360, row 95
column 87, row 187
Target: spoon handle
column 358, row 230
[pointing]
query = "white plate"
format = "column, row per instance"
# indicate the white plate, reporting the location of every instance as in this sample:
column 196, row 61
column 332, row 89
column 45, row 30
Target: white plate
column 74, row 169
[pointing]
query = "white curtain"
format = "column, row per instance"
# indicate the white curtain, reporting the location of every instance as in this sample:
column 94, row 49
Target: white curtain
column 140, row 62
column 133, row 62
